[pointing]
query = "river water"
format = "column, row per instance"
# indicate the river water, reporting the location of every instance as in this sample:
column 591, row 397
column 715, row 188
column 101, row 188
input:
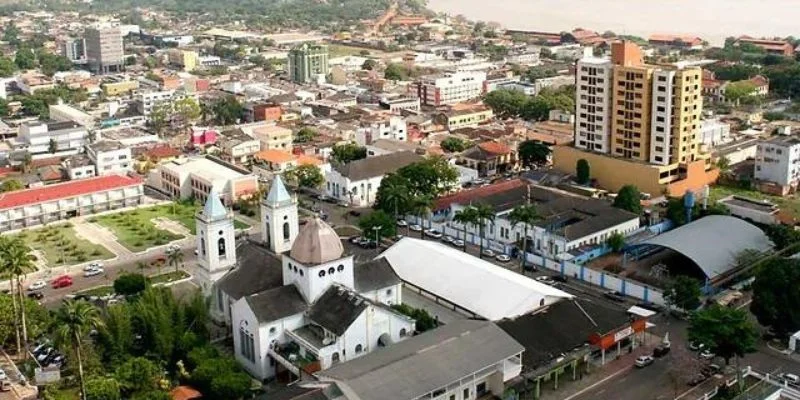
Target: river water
column 713, row 20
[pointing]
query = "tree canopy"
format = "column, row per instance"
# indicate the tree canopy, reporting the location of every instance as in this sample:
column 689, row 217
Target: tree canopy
column 454, row 144
column 629, row 199
column 533, row 152
column 776, row 298
column 345, row 153
column 306, row 175
column 582, row 172
column 726, row 331
column 228, row 111
column 379, row 218
column 683, row 292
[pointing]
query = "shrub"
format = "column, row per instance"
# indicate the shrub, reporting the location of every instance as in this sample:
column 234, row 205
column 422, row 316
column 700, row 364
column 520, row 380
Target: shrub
column 97, row 252
column 81, row 258
column 158, row 242
column 130, row 284
column 138, row 243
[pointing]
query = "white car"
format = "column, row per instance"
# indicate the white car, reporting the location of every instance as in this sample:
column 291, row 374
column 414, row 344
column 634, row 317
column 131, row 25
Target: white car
column 92, row 266
column 402, row 223
column 791, row 378
column 502, row 258
column 707, row 355
column 545, row 279
column 433, row 233
column 38, row 285
column 488, row 252
column 93, row 272
column 415, row 227
column 448, row 239
column 458, row 243
column 3, row 375
column 644, row 361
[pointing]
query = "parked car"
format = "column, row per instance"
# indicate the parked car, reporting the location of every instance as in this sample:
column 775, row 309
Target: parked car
column 433, row 233
column 644, row 361
column 36, row 295
column 710, row 370
column 660, row 351
column 61, row 282
column 616, row 296
column 402, row 223
column 92, row 266
column 356, row 239
column 545, row 279
column 791, row 378
column 502, row 258
column 342, row 203
column 93, row 272
column 38, row 285
column 707, row 355
column 448, row 239
column 694, row 346
column 560, row 278
column 415, row 227
column 488, row 252
column 458, row 243
column 322, row 197
column 697, row 379
column 44, row 354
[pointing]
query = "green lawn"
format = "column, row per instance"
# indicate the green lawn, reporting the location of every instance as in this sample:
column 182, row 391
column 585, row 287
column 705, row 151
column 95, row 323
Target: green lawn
column 338, row 50
column 790, row 204
column 61, row 246
column 135, row 229
column 168, row 277
column 99, row 291
column 181, row 212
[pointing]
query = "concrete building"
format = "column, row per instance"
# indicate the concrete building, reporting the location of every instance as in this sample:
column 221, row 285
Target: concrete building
column 357, row 182
column 197, row 177
column 391, row 128
column 641, row 118
column 184, row 59
column 37, row 138
column 116, row 86
column 464, row 118
column 308, row 62
column 110, row 157
column 759, row 211
column 74, row 50
column 776, row 47
column 30, row 207
column 778, row 162
column 714, row 132
column 273, row 137
column 237, row 147
column 104, row 52
column 450, row 88
column 66, row 112
column 400, row 104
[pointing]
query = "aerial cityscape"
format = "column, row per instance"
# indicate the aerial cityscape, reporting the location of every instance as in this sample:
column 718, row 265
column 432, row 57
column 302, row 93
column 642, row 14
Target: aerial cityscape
column 398, row 200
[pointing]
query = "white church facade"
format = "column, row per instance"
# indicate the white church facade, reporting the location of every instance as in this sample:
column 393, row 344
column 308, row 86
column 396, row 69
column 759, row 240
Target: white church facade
column 301, row 303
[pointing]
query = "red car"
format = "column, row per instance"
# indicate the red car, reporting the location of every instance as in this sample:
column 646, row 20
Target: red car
column 61, row 282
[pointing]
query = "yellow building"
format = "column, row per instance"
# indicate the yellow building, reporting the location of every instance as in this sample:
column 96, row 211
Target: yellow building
column 185, row 59
column 118, row 88
column 464, row 118
column 638, row 123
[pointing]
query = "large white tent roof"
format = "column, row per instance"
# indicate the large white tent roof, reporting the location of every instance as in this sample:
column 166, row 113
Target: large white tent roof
column 479, row 286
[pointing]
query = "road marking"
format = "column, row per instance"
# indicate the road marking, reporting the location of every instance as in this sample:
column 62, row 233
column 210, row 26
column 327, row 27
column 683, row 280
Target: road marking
column 600, row 382
column 687, row 392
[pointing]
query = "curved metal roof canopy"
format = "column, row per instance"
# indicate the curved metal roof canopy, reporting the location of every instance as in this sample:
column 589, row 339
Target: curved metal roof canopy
column 713, row 242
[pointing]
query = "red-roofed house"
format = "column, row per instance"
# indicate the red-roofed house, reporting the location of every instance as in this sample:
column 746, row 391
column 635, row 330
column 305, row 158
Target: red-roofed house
column 777, row 47
column 489, row 158
column 30, row 207
column 185, row 393
column 714, row 89
column 678, row 41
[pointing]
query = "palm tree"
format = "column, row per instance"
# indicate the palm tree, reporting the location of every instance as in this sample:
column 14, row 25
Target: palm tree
column 525, row 215
column 421, row 206
column 7, row 268
column 19, row 263
column 395, row 194
column 466, row 217
column 484, row 214
column 73, row 321
column 175, row 258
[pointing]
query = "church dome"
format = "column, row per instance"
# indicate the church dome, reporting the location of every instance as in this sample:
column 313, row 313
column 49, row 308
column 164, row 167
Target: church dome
column 317, row 243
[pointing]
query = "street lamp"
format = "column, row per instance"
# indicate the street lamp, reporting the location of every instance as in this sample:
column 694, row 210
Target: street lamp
column 377, row 230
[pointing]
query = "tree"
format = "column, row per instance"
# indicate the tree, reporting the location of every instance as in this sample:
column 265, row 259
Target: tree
column 395, row 72
column 430, row 177
column 424, row 321
column 724, row 164
column 99, row 388
column 116, row 339
column 36, row 316
column 533, row 152
column 10, row 185
column 735, row 91
column 369, row 65
column 726, row 331
column 138, row 374
column 306, row 175
column 420, row 207
column 782, row 236
column 616, row 241
column 454, row 144
column 776, row 299
column 16, row 262
column 506, row 103
column 217, row 376
column 683, row 367
column 186, row 111
column 74, row 319
column 175, row 259
column 466, row 217
column 130, row 284
column 160, row 116
column 582, row 172
column 7, row 67
column 683, row 292
column 385, row 222
column 25, row 59
column 485, row 214
column 345, row 153
column 305, row 134
column 228, row 111
column 629, row 199
column 392, row 196
column 526, row 215
column 50, row 63
column 52, row 146
column 130, row 60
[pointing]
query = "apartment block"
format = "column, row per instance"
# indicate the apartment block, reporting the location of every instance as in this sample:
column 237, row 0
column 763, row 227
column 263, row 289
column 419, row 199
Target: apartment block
column 52, row 138
column 74, row 49
column 592, row 104
column 308, row 62
column 104, row 52
column 393, row 128
column 450, row 88
column 110, row 157
column 778, row 162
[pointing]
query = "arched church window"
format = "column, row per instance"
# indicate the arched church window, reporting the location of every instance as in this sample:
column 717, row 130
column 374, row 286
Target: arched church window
column 285, row 231
column 340, row 268
column 221, row 246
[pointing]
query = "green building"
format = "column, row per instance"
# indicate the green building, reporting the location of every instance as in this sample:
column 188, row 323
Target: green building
column 308, row 61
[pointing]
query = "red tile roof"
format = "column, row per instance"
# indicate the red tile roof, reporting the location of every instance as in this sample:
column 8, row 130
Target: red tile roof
column 65, row 190
column 160, row 152
column 467, row 196
column 495, row 148
column 185, row 393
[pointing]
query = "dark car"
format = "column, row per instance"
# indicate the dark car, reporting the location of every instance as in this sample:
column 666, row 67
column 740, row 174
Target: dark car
column 616, row 296
column 36, row 295
column 355, row 213
column 697, row 379
column 710, row 370
column 660, row 351
column 560, row 278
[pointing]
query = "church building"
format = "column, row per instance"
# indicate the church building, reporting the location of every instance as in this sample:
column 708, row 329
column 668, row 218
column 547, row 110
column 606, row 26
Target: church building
column 296, row 300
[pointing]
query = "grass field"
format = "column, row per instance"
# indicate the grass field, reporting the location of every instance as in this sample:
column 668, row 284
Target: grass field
column 135, row 229
column 183, row 213
column 338, row 50
column 168, row 277
column 98, row 291
column 61, row 246
column 789, row 204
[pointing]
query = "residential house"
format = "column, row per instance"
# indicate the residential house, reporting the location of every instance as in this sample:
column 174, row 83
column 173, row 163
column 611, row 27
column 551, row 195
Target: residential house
column 197, row 177
column 273, row 137
column 489, row 158
column 357, row 182
column 110, row 157
column 237, row 147
column 466, row 117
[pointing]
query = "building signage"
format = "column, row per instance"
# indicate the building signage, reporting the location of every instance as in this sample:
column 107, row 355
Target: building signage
column 623, row 334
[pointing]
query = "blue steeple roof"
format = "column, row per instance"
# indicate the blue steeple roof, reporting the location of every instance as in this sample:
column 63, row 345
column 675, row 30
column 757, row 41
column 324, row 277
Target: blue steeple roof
column 277, row 193
column 214, row 208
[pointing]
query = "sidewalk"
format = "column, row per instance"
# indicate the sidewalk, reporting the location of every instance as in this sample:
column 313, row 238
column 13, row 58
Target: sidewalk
column 597, row 375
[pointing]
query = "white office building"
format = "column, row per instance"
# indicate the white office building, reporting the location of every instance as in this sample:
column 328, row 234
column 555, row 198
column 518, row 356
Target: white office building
column 778, row 161
column 392, row 128
column 50, row 139
column 450, row 88
column 714, row 132
column 593, row 103
column 110, row 157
